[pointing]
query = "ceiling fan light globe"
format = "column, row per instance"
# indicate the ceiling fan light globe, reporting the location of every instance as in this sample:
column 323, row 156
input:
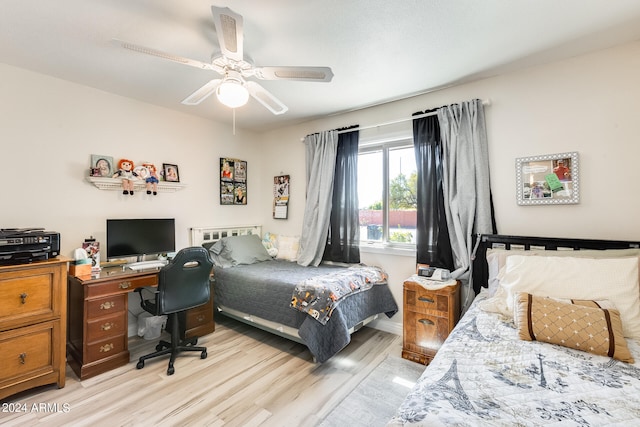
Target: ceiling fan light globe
column 233, row 95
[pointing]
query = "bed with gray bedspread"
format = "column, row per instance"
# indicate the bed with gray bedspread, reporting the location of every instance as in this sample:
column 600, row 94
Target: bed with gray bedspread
column 264, row 289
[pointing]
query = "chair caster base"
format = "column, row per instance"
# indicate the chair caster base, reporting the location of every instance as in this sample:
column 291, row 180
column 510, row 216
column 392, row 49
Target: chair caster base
column 140, row 364
column 203, row 355
column 170, row 370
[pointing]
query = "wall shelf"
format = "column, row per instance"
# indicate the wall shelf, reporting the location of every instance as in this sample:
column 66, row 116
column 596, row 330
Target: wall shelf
column 138, row 185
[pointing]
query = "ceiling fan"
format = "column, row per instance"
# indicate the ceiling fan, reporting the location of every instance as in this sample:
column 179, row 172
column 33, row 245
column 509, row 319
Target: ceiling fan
column 233, row 89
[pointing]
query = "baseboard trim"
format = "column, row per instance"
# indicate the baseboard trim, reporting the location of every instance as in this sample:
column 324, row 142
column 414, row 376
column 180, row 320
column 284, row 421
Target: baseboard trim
column 387, row 325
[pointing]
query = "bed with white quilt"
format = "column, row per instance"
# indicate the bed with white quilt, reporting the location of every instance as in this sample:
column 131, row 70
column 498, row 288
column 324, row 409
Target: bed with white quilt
column 553, row 338
column 319, row 307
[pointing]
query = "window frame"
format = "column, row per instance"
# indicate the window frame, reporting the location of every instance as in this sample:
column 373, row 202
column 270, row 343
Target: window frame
column 385, row 146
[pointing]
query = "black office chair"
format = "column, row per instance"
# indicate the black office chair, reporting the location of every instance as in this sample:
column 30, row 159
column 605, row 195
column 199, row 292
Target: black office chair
column 182, row 284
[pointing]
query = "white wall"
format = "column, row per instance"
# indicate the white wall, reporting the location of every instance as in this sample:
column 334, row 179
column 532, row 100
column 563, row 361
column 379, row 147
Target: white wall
column 589, row 104
column 48, row 130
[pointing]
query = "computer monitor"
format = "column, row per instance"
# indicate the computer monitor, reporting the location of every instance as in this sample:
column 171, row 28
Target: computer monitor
column 139, row 237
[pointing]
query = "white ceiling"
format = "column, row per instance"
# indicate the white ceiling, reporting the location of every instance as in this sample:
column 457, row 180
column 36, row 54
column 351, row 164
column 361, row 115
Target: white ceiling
column 379, row 50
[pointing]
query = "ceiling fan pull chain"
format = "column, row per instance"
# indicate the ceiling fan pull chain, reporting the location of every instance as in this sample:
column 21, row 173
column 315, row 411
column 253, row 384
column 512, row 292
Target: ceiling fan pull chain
column 234, row 121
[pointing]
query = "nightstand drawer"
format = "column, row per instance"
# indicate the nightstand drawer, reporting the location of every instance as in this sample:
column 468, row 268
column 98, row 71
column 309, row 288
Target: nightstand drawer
column 426, row 332
column 424, row 301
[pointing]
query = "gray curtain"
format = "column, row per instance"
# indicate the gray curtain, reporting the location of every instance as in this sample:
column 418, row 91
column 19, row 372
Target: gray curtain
column 467, row 195
column 343, row 244
column 320, row 162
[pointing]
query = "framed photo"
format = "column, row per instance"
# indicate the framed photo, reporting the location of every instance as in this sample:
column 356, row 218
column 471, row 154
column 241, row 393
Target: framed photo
column 233, row 181
column 102, row 166
column 170, row 172
column 548, row 179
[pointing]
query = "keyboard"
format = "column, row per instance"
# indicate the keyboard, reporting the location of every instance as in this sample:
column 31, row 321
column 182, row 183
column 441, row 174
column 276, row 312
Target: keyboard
column 143, row 265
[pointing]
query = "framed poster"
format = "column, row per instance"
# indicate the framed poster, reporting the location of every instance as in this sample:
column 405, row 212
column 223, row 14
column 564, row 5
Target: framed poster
column 280, row 196
column 548, row 179
column 233, row 181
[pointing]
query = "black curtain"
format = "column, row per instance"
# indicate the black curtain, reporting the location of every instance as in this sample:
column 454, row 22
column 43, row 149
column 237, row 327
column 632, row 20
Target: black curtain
column 344, row 226
column 432, row 237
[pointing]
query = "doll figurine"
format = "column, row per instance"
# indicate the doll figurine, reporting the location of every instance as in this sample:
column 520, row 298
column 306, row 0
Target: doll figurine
column 152, row 178
column 126, row 174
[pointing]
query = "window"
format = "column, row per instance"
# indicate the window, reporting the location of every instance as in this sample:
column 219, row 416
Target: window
column 387, row 179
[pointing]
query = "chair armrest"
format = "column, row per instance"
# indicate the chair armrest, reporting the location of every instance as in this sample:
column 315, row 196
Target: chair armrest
column 153, row 291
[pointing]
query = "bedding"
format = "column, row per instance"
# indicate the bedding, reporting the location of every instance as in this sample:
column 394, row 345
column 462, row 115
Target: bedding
column 265, row 289
column 485, row 375
column 252, row 286
column 531, row 351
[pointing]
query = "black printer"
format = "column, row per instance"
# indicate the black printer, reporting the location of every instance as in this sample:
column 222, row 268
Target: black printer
column 24, row 245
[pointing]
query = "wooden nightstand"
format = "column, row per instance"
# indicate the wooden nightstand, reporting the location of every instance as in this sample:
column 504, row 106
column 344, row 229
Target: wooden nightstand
column 429, row 317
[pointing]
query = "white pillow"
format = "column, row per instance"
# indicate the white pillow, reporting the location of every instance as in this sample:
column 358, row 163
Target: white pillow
column 614, row 279
column 497, row 258
column 288, row 248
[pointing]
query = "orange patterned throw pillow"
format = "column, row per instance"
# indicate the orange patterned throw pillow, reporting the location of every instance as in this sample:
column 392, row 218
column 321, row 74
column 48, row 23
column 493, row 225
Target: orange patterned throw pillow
column 581, row 325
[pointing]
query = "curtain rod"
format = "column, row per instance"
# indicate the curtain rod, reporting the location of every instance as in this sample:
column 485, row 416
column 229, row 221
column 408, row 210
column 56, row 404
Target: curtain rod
column 485, row 102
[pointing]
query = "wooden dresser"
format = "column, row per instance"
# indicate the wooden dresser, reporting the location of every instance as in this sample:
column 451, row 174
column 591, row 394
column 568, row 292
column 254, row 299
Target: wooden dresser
column 98, row 319
column 428, row 318
column 33, row 307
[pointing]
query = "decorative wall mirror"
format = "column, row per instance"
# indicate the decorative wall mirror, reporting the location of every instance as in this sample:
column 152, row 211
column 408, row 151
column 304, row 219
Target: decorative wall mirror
column 548, row 179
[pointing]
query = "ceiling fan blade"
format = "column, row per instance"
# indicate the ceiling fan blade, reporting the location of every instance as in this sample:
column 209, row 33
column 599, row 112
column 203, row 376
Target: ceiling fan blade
column 310, row 74
column 265, row 98
column 203, row 93
column 230, row 32
column 169, row 56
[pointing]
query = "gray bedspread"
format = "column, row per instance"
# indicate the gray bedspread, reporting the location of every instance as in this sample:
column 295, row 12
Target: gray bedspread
column 264, row 289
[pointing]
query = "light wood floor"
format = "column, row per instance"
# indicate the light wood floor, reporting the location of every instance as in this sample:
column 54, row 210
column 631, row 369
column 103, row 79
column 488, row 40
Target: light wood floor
column 249, row 378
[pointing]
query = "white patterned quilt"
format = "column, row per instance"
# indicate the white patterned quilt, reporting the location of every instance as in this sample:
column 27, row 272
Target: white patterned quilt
column 485, row 376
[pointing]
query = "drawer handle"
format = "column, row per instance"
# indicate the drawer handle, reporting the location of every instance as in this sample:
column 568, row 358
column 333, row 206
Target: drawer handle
column 23, row 358
column 106, row 348
column 426, row 321
column 23, row 297
column 200, row 318
column 124, row 285
column 426, row 299
column 107, row 326
column 107, row 305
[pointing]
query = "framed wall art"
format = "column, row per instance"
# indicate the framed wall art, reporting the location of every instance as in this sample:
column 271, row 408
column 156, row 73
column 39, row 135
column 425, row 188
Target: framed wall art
column 548, row 179
column 170, row 172
column 233, row 181
column 280, row 196
column 102, row 166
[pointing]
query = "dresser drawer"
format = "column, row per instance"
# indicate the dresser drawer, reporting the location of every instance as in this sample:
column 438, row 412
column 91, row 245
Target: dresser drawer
column 100, row 307
column 117, row 286
column 106, row 348
column 27, row 351
column 26, row 295
column 106, row 327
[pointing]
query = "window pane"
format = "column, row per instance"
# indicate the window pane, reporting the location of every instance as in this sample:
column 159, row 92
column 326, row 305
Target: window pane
column 402, row 195
column 370, row 195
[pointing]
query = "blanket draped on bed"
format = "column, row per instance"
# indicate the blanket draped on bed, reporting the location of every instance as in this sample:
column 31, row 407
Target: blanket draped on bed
column 264, row 290
column 319, row 295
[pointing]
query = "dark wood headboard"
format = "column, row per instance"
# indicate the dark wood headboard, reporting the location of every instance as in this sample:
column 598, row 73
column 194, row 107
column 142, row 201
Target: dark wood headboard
column 488, row 241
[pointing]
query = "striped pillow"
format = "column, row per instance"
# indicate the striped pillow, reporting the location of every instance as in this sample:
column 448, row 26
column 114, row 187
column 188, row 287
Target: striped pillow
column 578, row 324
